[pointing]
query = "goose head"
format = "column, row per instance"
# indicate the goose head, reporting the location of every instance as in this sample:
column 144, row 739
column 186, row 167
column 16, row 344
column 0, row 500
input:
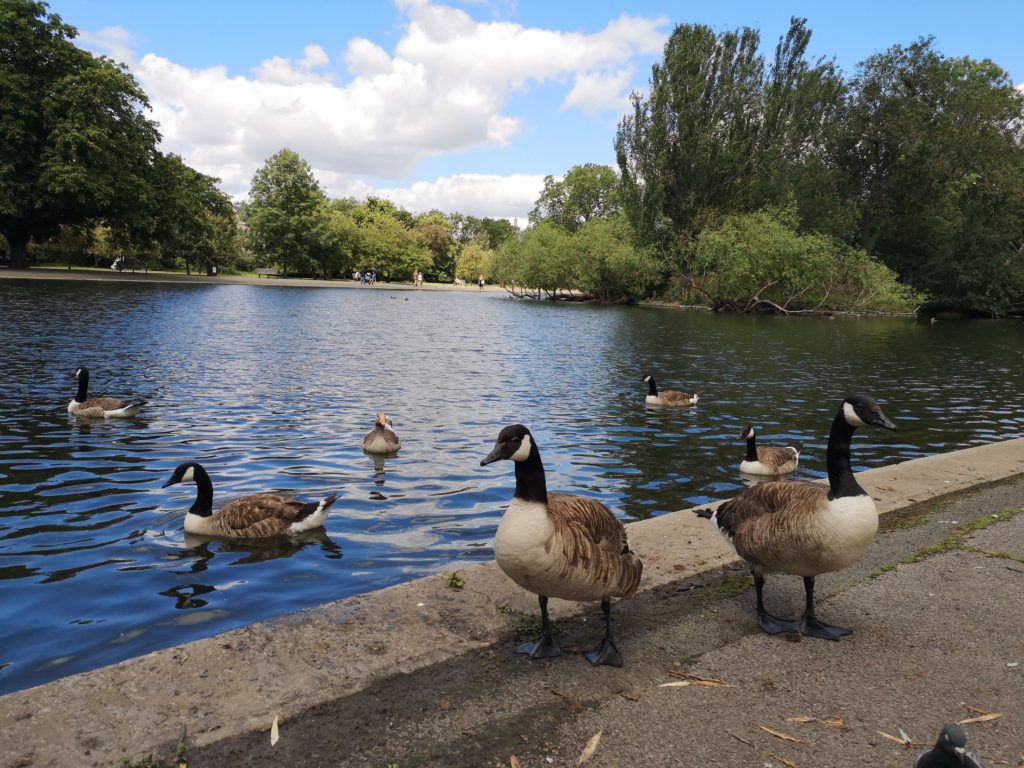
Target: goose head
column 648, row 379
column 514, row 442
column 183, row 473
column 81, row 371
column 383, row 422
column 747, row 433
column 862, row 410
column 953, row 743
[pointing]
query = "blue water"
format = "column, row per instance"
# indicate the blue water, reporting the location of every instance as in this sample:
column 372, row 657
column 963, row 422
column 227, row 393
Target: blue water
column 272, row 388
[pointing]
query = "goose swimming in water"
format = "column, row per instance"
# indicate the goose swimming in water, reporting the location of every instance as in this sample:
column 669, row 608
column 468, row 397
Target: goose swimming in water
column 805, row 528
column 98, row 407
column 257, row 516
column 771, row 459
column 382, row 438
column 671, row 397
column 558, row 545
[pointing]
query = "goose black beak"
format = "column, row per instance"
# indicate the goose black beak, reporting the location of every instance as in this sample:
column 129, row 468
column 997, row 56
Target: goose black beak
column 172, row 481
column 491, row 457
column 881, row 420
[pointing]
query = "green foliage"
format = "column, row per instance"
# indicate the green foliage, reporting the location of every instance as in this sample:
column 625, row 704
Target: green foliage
column 610, row 266
column 388, row 242
column 453, row 580
column 759, row 261
column 933, row 152
column 283, row 212
column 435, row 231
column 587, row 192
column 74, row 143
column 473, row 260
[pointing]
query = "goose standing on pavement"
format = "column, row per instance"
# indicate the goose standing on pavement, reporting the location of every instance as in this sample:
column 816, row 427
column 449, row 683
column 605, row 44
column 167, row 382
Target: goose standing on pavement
column 558, row 545
column 950, row 751
column 671, row 397
column 382, row 438
column 804, row 528
column 257, row 516
column 771, row 459
column 98, row 407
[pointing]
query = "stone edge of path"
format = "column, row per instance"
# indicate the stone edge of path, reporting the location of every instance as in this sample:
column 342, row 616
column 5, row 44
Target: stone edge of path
column 240, row 680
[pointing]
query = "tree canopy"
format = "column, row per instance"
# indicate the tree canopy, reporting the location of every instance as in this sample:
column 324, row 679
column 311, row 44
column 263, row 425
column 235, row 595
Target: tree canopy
column 75, row 143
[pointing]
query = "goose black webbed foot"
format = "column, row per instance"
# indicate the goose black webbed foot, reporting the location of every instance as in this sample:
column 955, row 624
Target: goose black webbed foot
column 811, row 627
column 605, row 653
column 773, row 625
column 544, row 647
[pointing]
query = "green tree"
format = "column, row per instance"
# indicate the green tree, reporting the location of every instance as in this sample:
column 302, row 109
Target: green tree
column 721, row 131
column 282, row 211
column 936, row 169
column 186, row 213
column 74, row 143
column 586, row 192
column 387, row 241
column 335, row 240
column 473, row 260
column 543, row 260
column 436, row 232
column 757, row 261
column 611, row 266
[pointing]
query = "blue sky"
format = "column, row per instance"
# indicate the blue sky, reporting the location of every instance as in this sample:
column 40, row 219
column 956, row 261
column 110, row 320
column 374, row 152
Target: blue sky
column 461, row 106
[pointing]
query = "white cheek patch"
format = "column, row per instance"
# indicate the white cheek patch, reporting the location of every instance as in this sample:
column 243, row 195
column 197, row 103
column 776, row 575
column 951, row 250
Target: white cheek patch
column 851, row 416
column 189, row 476
column 524, row 450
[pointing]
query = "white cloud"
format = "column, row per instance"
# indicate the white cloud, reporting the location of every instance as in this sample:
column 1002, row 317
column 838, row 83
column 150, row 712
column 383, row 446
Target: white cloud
column 116, row 42
column 474, row 194
column 443, row 90
column 596, row 91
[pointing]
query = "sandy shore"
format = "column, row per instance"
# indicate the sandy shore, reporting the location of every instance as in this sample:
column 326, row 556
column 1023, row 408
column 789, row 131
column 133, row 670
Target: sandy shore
column 44, row 273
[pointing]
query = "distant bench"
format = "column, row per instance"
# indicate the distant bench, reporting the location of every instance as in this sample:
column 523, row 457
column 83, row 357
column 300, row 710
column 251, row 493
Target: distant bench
column 267, row 273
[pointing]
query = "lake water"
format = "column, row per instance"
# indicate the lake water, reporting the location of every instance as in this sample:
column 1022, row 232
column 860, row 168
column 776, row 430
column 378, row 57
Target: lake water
column 272, row 388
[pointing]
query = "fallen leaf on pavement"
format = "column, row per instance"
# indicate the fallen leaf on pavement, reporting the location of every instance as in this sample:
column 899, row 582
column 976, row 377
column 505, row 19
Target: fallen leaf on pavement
column 982, row 718
column 975, row 710
column 890, row 737
column 591, row 748
column 784, row 761
column 513, row 761
column 709, row 681
column 781, row 735
column 832, row 722
column 274, row 733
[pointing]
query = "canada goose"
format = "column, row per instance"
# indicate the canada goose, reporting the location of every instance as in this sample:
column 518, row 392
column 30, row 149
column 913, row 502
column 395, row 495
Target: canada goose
column 558, row 545
column 949, row 751
column 382, row 438
column 769, row 460
column 257, row 516
column 669, row 396
column 805, row 528
column 98, row 407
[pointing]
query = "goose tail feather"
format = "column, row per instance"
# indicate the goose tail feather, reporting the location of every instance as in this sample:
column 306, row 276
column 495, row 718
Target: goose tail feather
column 127, row 410
column 316, row 515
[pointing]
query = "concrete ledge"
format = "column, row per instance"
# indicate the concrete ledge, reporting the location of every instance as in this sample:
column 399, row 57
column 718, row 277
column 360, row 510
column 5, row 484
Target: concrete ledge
column 238, row 681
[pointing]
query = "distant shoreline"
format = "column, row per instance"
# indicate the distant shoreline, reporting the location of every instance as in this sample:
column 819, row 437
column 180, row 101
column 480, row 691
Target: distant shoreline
column 45, row 273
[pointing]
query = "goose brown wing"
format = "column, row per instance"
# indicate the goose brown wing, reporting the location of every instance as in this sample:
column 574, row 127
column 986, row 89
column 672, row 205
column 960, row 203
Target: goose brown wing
column 777, row 458
column 103, row 403
column 594, row 540
column 674, row 397
column 257, row 516
column 762, row 517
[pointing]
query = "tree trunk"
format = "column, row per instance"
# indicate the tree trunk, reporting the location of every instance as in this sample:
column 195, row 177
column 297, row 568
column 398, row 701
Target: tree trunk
column 19, row 251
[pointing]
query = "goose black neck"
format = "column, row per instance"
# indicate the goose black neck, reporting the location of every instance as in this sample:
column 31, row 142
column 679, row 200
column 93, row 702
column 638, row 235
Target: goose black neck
column 531, row 484
column 652, row 388
column 83, row 387
column 841, row 482
column 751, row 448
column 203, row 505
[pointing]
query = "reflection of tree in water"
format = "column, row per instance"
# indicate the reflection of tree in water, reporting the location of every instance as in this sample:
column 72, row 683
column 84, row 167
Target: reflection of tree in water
column 202, row 549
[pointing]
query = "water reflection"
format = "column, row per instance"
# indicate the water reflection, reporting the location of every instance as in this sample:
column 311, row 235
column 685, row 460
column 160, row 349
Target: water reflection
column 269, row 389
